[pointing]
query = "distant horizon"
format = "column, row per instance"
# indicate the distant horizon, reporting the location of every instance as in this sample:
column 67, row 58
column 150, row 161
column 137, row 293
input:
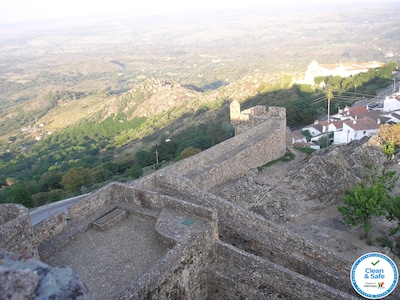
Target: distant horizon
column 17, row 11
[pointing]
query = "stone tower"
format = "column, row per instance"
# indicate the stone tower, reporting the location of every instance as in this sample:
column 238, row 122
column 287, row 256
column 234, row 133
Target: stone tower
column 235, row 112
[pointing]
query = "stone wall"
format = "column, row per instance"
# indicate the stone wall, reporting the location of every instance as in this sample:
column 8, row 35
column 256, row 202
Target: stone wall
column 266, row 240
column 237, row 274
column 16, row 233
column 234, row 158
column 113, row 193
column 49, row 228
column 181, row 274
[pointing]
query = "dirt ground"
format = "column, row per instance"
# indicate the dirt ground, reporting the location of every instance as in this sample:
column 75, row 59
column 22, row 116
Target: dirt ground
column 324, row 225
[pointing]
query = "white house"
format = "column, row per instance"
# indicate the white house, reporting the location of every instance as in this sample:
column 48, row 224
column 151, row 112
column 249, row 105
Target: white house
column 335, row 126
column 298, row 137
column 315, row 129
column 356, row 129
column 391, row 103
column 391, row 118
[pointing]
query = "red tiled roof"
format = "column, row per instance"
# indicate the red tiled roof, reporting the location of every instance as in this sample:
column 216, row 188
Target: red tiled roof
column 338, row 124
column 358, row 110
column 362, row 124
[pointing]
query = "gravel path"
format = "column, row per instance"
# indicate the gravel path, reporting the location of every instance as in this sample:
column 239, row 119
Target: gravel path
column 110, row 260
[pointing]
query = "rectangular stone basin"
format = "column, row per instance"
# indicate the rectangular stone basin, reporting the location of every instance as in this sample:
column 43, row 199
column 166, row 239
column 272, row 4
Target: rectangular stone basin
column 110, row 219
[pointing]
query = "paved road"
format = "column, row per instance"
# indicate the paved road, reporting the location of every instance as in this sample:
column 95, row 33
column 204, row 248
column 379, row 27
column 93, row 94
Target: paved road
column 41, row 213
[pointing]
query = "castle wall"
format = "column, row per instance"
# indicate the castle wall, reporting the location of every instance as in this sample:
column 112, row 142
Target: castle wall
column 237, row 274
column 182, row 273
column 241, row 159
column 234, row 158
column 110, row 194
column 16, row 233
column 49, row 228
column 256, row 235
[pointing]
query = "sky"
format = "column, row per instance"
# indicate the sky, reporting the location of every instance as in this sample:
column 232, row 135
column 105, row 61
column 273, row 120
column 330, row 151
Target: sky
column 22, row 10
column 12, row 11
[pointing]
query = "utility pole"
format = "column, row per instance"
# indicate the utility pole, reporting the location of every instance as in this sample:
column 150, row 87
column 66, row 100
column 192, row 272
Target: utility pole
column 394, row 85
column 329, row 107
column 329, row 111
column 156, row 156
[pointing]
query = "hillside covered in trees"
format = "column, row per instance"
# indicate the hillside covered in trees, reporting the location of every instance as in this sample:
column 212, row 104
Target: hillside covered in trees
column 123, row 140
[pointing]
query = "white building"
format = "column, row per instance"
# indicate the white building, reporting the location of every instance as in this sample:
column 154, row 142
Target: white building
column 298, row 137
column 392, row 118
column 356, row 130
column 391, row 103
column 315, row 129
column 345, row 69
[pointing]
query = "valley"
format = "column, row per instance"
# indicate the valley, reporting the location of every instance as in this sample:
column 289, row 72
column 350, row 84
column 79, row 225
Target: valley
column 105, row 93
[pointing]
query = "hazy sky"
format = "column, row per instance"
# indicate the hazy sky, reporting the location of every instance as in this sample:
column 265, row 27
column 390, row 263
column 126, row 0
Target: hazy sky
column 16, row 10
column 21, row 10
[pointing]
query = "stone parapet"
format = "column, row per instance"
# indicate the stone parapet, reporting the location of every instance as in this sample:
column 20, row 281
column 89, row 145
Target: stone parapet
column 49, row 228
column 16, row 233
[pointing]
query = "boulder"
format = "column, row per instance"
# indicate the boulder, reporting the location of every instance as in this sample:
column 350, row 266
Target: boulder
column 23, row 277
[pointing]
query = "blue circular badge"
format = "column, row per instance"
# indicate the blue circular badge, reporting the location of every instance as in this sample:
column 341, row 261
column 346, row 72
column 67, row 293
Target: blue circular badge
column 374, row 275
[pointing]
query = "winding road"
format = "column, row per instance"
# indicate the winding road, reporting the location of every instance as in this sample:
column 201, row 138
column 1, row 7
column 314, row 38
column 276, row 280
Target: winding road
column 38, row 214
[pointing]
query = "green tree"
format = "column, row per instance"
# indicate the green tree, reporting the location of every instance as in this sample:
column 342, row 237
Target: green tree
column 144, row 158
column 21, row 195
column 307, row 134
column 50, row 180
column 390, row 133
column 101, row 174
column 75, row 179
column 326, row 140
column 219, row 132
column 135, row 171
column 389, row 148
column 393, row 212
column 368, row 199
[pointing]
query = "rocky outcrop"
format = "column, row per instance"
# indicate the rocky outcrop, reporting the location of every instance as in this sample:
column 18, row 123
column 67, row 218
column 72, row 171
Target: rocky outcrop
column 290, row 189
column 327, row 173
column 160, row 96
column 22, row 277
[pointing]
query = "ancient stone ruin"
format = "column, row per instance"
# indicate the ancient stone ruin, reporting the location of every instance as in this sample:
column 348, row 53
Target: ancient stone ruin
column 179, row 240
